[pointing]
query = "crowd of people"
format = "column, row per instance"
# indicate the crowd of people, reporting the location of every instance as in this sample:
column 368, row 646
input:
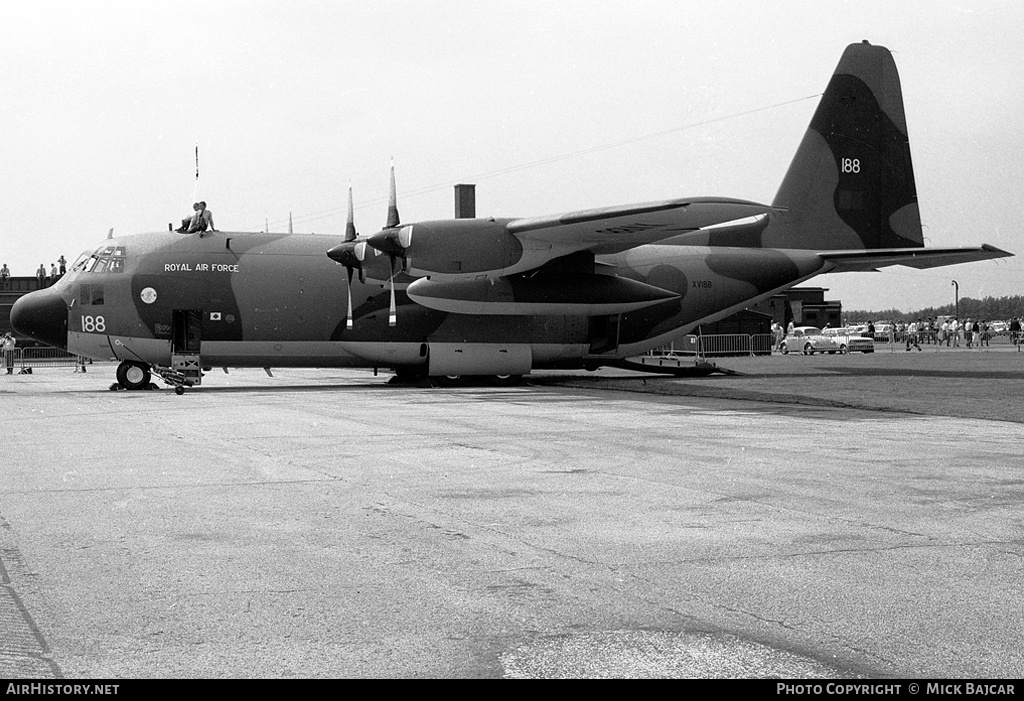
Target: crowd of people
column 55, row 273
column 44, row 277
column 938, row 331
column 953, row 333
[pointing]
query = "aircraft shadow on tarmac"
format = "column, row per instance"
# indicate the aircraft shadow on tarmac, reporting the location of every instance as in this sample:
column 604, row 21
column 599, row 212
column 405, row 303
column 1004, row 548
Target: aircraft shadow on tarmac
column 549, row 380
column 960, row 373
column 377, row 383
column 256, row 389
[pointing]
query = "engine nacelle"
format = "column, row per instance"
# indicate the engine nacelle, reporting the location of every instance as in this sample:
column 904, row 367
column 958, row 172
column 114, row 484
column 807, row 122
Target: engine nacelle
column 456, row 249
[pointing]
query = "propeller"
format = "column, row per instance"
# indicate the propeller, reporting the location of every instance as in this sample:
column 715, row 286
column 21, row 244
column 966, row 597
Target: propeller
column 351, row 254
column 393, row 241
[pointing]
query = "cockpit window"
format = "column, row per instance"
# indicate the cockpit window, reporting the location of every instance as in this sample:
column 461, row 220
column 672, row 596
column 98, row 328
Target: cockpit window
column 109, row 259
column 80, row 263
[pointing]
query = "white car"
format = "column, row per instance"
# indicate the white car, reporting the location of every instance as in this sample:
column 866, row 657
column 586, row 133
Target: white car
column 850, row 339
column 808, row 340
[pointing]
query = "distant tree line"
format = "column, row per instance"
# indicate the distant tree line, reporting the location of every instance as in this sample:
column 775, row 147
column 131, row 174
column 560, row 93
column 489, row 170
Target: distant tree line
column 988, row 309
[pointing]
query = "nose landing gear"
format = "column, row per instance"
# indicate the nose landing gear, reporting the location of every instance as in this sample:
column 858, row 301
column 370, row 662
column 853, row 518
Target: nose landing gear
column 133, row 375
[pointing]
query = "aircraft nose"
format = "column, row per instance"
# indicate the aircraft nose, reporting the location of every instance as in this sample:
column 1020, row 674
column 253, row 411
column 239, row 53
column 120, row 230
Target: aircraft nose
column 42, row 315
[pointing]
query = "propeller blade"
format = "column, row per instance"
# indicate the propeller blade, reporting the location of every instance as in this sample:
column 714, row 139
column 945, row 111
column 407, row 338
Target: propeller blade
column 393, row 310
column 350, row 225
column 348, row 316
column 393, row 219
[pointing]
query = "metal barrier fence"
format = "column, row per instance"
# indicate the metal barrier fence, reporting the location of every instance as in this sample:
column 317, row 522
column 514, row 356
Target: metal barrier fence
column 719, row 344
column 24, row 359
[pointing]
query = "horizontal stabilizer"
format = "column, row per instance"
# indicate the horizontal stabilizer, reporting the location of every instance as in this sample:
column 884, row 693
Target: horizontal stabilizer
column 921, row 258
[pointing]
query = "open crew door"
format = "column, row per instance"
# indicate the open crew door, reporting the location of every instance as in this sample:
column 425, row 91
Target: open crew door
column 186, row 344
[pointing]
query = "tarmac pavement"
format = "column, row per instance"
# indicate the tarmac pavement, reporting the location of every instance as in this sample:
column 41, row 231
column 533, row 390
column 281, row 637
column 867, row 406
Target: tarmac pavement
column 826, row 516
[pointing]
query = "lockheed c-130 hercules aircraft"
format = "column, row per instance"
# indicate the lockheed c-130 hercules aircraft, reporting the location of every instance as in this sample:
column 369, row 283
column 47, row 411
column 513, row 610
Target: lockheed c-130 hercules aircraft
column 502, row 297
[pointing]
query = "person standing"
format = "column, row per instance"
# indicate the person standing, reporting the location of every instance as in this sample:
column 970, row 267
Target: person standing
column 5, row 276
column 8, row 346
column 913, row 332
column 41, row 276
column 63, row 265
column 53, row 273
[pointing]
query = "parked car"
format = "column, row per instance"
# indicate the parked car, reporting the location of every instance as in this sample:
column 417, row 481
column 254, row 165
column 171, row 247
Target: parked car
column 885, row 330
column 850, row 339
column 808, row 340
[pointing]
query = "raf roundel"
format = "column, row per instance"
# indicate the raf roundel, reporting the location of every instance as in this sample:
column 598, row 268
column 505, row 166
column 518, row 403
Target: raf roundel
column 148, row 295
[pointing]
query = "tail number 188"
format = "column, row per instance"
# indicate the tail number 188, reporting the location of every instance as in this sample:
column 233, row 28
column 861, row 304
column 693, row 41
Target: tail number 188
column 851, row 165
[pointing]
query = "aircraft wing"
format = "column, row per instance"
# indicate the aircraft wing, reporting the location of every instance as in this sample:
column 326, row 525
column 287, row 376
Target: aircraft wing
column 616, row 229
column 921, row 258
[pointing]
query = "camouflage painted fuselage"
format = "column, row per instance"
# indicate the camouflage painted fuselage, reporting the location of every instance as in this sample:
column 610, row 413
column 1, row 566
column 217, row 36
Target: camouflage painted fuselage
column 277, row 300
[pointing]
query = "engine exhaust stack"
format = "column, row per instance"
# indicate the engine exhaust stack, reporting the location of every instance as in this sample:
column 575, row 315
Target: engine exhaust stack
column 465, row 201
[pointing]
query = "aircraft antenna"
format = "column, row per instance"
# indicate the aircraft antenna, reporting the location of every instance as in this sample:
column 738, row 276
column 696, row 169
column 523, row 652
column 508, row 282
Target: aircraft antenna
column 195, row 189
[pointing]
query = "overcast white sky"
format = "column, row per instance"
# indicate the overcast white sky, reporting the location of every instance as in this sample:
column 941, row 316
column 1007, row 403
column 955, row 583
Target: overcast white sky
column 542, row 104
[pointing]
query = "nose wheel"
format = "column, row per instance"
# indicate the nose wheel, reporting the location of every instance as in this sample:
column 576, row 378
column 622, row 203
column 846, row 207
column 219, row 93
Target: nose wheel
column 134, row 375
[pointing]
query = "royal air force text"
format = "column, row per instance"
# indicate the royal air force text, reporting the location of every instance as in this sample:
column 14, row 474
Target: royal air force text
column 200, row 267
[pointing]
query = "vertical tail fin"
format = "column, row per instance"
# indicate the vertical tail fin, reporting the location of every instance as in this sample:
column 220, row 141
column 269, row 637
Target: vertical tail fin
column 851, row 184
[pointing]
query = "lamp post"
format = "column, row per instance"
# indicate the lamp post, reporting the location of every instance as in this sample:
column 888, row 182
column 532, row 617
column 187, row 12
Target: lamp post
column 956, row 286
